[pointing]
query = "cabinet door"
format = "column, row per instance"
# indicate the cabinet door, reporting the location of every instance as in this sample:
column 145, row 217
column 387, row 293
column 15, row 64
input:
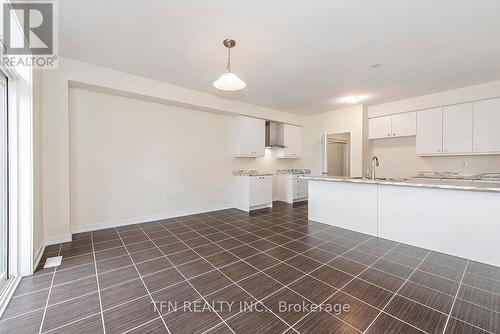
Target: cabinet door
column 259, row 137
column 430, row 131
column 292, row 139
column 244, row 136
column 302, row 193
column 487, row 126
column 297, row 141
column 457, row 128
column 260, row 190
column 404, row 124
column 379, row 127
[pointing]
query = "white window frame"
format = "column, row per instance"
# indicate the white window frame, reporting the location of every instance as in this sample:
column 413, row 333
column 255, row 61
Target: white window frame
column 20, row 164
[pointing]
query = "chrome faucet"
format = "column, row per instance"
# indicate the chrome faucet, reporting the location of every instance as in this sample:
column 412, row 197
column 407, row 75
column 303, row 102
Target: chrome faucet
column 375, row 163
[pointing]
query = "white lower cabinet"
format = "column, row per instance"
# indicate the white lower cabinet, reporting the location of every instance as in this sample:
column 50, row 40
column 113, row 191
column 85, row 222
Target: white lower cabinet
column 253, row 192
column 291, row 188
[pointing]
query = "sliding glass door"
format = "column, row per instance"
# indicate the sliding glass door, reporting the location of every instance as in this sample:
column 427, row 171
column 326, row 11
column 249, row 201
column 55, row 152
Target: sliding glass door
column 4, row 230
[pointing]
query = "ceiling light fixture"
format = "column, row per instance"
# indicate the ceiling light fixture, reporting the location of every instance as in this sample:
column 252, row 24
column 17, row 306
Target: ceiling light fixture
column 353, row 99
column 229, row 80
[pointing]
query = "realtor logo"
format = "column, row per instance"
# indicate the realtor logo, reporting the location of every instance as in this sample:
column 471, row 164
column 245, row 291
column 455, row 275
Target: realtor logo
column 30, row 34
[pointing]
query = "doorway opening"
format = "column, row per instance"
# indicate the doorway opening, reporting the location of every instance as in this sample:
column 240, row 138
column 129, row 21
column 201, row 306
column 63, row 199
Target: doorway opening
column 337, row 154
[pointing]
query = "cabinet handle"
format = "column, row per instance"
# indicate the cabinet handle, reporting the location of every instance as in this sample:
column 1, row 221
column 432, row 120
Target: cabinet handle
column 394, row 134
column 388, row 135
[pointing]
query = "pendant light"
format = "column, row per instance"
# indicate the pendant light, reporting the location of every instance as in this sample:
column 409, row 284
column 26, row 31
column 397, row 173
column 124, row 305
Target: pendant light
column 229, row 80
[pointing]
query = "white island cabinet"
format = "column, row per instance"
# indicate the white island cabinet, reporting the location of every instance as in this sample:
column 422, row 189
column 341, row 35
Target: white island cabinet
column 252, row 192
column 459, row 220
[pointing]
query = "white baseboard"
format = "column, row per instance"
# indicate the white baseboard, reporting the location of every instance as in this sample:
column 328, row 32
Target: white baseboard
column 145, row 219
column 38, row 255
column 57, row 239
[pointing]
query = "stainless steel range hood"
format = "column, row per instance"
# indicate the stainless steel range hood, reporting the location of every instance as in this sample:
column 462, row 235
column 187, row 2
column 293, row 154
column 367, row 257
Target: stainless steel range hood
column 273, row 138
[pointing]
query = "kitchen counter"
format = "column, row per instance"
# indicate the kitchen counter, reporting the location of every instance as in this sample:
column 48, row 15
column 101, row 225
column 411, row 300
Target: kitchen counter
column 293, row 171
column 458, row 217
column 455, row 184
column 250, row 172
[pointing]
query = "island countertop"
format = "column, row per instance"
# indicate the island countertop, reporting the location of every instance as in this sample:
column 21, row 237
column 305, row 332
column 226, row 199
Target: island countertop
column 468, row 185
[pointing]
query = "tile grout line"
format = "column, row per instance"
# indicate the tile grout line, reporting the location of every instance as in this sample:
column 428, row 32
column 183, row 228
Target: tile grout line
column 186, row 280
column 142, row 280
column 284, row 245
column 429, row 251
column 456, row 295
column 115, row 285
column 326, row 263
column 291, row 240
column 48, row 294
column 246, row 278
column 347, row 283
column 235, row 283
column 396, row 294
column 287, row 285
column 98, row 286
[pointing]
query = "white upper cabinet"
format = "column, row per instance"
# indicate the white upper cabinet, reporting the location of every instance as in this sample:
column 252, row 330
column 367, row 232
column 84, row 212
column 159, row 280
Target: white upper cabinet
column 379, row 127
column 457, row 128
column 259, row 137
column 397, row 125
column 292, row 140
column 461, row 129
column 404, row 124
column 250, row 136
column 430, row 131
column 487, row 126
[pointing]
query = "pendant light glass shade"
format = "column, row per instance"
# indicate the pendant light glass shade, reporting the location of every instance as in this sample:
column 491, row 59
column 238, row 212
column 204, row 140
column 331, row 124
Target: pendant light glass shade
column 229, row 81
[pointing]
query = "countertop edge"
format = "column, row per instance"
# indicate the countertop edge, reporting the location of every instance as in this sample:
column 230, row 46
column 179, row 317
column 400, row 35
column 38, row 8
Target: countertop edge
column 403, row 184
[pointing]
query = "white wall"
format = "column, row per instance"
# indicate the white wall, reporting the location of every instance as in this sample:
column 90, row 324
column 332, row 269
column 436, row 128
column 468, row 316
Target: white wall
column 56, row 133
column 397, row 155
column 336, row 121
column 133, row 160
column 398, row 159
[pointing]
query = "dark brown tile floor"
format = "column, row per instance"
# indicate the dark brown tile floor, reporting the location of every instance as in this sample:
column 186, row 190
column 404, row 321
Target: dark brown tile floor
column 109, row 278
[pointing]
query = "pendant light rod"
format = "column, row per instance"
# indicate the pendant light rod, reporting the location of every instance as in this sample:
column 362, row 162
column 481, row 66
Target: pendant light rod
column 229, row 44
column 229, row 81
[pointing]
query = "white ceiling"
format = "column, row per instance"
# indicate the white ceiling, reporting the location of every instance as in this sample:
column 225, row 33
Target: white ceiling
column 296, row 56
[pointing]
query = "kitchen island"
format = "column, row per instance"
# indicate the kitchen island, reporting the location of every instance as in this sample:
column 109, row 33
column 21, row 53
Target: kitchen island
column 457, row 217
